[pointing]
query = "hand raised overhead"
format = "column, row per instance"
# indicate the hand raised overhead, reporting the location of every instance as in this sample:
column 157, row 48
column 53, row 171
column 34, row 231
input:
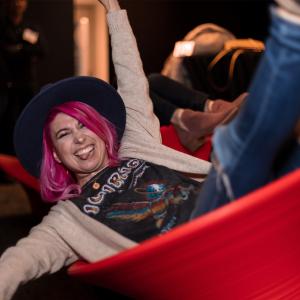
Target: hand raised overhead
column 110, row 5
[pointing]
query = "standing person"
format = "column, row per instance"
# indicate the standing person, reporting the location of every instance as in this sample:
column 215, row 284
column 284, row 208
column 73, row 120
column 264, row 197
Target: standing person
column 104, row 158
column 21, row 47
column 259, row 144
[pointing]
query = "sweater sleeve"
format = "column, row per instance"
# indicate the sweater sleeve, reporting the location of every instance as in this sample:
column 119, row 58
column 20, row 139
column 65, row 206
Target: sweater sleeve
column 63, row 236
column 132, row 82
column 43, row 251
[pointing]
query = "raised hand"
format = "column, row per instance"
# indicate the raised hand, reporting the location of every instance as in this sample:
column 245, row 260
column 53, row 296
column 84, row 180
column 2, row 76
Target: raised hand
column 110, row 5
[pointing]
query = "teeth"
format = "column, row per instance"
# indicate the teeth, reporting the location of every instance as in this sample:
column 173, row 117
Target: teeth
column 84, row 150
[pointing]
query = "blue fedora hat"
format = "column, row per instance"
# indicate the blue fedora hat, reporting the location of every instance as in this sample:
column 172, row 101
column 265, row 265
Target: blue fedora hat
column 28, row 134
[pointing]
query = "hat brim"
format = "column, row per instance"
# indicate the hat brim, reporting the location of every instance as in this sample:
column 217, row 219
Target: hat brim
column 28, row 134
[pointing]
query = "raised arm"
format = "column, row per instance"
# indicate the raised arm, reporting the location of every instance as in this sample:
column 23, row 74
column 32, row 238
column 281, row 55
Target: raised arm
column 132, row 82
column 110, row 5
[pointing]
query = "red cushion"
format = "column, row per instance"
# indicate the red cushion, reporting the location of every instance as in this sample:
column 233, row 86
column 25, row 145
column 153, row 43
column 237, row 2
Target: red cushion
column 170, row 139
column 248, row 249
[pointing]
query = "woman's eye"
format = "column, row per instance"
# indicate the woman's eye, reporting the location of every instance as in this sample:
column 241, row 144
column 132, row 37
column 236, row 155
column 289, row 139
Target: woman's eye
column 62, row 134
column 80, row 125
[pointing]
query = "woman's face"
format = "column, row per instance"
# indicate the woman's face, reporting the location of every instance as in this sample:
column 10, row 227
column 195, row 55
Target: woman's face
column 79, row 149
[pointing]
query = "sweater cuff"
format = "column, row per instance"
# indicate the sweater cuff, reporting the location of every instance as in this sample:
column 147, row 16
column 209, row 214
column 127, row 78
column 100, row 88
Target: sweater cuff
column 116, row 20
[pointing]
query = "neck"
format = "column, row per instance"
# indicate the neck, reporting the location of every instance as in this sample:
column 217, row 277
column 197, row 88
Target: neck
column 82, row 179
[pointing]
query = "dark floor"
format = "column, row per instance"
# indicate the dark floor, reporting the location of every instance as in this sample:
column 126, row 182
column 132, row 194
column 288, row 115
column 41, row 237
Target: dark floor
column 16, row 219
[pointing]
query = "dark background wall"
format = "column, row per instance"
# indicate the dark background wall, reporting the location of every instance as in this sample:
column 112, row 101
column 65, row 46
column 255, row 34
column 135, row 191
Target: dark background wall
column 55, row 18
column 158, row 24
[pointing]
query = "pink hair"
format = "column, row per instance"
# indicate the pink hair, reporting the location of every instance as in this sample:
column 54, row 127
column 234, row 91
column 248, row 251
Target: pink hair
column 56, row 181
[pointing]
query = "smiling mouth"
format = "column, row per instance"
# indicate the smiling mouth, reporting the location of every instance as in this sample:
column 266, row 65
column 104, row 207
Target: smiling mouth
column 84, row 153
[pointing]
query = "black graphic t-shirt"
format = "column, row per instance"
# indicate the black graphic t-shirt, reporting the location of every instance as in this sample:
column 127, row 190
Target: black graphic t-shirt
column 139, row 199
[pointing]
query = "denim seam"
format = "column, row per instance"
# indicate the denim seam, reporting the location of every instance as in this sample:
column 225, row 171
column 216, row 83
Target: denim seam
column 223, row 174
column 261, row 112
column 223, row 178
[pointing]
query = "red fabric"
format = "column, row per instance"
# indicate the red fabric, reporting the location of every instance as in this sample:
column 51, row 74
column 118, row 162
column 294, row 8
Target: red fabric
column 170, row 139
column 248, row 249
column 11, row 166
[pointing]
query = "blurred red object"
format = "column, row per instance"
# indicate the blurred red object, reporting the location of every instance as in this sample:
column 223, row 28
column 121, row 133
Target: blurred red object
column 248, row 249
column 170, row 139
column 13, row 168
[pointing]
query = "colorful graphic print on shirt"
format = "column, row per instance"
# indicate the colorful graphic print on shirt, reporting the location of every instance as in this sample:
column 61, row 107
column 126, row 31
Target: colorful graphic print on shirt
column 139, row 199
column 158, row 197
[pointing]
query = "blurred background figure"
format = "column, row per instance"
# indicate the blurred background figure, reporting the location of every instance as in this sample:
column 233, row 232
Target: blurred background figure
column 213, row 60
column 192, row 113
column 21, row 47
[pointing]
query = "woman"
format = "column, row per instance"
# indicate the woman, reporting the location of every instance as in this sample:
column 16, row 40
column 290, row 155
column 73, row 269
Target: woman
column 106, row 157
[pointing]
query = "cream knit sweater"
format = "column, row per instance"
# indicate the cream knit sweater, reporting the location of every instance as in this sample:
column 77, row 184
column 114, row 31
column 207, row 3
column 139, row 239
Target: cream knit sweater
column 66, row 234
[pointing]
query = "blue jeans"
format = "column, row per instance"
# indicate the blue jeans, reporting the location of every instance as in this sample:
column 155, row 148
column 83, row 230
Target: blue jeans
column 246, row 150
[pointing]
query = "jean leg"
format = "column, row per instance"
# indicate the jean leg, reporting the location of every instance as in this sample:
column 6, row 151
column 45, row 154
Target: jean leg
column 208, row 200
column 247, row 147
column 288, row 159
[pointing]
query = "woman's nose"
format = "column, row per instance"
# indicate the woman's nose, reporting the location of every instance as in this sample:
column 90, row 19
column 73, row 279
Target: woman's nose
column 79, row 137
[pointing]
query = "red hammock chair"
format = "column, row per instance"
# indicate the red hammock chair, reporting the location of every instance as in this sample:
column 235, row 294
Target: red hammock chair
column 248, row 249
